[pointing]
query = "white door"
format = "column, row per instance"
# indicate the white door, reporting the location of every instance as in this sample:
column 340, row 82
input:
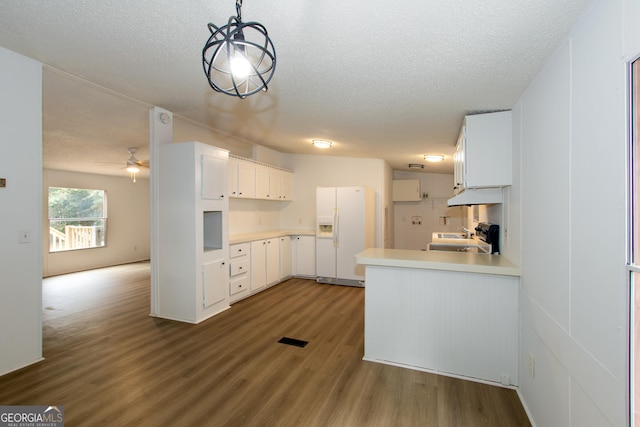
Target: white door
column 262, row 182
column 325, row 250
column 214, row 282
column 273, row 260
column 305, row 256
column 350, row 231
column 246, row 180
column 214, row 177
column 286, row 269
column 258, row 264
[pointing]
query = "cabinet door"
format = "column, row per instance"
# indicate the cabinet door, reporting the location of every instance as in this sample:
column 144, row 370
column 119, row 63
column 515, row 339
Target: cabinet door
column 274, row 184
column 214, row 283
column 487, row 150
column 232, row 178
column 458, row 165
column 246, row 180
column 305, row 256
column 273, row 260
column 285, row 257
column 406, row 190
column 214, row 177
column 286, row 185
column 258, row 264
column 262, row 182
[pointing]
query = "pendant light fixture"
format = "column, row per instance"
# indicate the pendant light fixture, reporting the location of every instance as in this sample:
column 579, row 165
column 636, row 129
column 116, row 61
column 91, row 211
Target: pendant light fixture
column 239, row 58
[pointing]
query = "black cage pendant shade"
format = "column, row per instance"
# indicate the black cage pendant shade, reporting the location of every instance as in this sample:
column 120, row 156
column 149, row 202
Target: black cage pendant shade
column 239, row 58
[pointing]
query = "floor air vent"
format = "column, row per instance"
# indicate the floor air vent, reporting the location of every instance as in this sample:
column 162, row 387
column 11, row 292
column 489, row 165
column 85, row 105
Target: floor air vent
column 293, row 341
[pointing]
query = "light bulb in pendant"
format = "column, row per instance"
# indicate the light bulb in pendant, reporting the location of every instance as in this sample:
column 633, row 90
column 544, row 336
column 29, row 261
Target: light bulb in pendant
column 240, row 66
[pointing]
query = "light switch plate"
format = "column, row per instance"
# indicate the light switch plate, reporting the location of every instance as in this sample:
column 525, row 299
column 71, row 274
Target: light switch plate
column 25, row 236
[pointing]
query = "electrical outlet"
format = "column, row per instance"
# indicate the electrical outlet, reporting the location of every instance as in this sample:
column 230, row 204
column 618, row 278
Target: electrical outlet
column 504, row 379
column 532, row 366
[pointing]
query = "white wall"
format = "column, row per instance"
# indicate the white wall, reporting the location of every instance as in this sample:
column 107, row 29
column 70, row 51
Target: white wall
column 184, row 130
column 128, row 226
column 570, row 128
column 329, row 171
column 20, row 210
column 418, row 236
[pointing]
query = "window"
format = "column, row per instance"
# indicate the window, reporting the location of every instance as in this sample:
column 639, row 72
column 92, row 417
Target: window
column 77, row 218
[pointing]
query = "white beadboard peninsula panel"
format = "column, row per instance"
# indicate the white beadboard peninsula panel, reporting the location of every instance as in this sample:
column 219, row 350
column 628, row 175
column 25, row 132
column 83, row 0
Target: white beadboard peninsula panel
column 457, row 323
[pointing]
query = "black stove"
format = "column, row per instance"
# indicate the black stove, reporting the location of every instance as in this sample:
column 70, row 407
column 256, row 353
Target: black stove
column 489, row 233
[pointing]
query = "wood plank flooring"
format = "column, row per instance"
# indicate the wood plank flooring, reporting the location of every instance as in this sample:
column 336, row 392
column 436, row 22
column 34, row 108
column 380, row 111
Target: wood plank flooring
column 110, row 364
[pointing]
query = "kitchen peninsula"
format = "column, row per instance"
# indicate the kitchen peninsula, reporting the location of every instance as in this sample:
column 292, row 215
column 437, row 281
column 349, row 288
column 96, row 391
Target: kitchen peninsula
column 450, row 313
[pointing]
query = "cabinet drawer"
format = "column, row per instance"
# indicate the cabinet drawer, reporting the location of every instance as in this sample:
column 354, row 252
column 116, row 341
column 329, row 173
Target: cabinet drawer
column 239, row 285
column 238, row 250
column 239, row 267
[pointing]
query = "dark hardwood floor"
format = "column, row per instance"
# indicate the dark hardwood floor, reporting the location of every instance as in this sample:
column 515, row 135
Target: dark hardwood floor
column 110, row 364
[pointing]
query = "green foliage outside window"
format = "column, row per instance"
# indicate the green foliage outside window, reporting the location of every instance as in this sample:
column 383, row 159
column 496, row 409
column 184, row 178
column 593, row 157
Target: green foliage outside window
column 77, row 218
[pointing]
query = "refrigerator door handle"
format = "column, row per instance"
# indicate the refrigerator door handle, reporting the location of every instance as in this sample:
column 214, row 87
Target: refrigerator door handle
column 336, row 227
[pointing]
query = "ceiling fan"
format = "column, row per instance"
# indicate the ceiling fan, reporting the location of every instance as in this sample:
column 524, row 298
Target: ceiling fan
column 133, row 164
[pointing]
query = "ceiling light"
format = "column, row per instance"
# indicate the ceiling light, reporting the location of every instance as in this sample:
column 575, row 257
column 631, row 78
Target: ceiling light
column 321, row 143
column 416, row 166
column 434, row 157
column 239, row 58
column 132, row 163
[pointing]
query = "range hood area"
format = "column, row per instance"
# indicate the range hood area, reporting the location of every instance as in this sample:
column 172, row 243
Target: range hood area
column 477, row 196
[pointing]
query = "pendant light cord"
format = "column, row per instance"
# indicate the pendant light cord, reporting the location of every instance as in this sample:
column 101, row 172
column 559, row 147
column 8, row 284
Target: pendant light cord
column 239, row 10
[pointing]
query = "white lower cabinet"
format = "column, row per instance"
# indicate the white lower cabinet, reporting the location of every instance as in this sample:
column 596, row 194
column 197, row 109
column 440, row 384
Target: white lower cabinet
column 304, row 256
column 239, row 271
column 265, row 263
column 214, row 279
column 286, row 269
column 273, row 261
column 258, row 264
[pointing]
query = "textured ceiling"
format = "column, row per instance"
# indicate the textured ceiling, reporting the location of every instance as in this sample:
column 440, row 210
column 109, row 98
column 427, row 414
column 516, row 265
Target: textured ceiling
column 381, row 78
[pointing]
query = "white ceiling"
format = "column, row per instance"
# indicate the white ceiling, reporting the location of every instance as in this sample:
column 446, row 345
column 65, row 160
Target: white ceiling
column 381, row 78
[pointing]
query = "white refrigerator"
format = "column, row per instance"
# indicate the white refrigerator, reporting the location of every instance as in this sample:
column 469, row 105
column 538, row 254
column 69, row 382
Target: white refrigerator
column 344, row 226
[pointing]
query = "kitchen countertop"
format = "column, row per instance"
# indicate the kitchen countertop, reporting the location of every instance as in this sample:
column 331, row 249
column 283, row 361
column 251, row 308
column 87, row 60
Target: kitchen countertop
column 268, row 234
column 439, row 260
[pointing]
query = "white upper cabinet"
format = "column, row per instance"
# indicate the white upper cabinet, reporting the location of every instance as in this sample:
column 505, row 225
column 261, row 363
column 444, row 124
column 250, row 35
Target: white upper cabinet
column 483, row 152
column 232, row 179
column 262, row 182
column 242, row 178
column 251, row 180
column 214, row 176
column 406, row 190
column 246, row 180
column 286, row 185
column 274, row 184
